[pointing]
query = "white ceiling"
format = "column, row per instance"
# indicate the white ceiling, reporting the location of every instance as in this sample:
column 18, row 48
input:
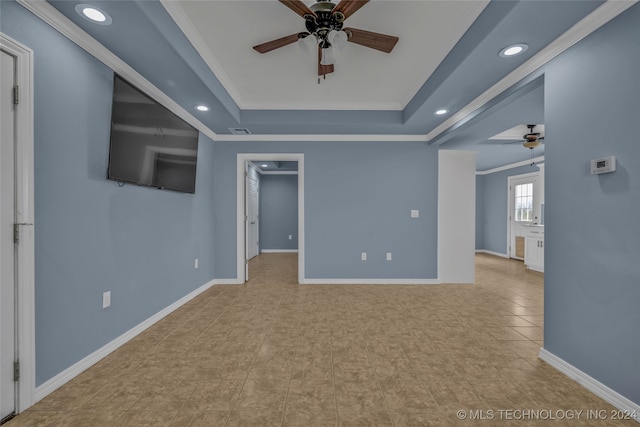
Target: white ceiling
column 223, row 33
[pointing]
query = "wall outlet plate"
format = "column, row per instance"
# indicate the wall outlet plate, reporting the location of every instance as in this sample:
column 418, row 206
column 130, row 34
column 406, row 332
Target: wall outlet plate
column 106, row 299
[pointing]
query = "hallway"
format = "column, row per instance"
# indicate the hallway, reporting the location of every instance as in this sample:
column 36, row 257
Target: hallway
column 274, row 353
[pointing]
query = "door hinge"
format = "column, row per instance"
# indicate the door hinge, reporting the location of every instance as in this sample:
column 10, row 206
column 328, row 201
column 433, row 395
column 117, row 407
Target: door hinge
column 16, row 233
column 16, row 95
column 16, row 370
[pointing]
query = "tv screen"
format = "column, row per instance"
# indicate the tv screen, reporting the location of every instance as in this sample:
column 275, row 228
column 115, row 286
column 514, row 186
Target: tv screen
column 149, row 144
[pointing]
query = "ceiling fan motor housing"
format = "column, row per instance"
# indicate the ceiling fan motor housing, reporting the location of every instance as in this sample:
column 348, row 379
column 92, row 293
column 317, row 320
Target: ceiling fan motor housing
column 323, row 22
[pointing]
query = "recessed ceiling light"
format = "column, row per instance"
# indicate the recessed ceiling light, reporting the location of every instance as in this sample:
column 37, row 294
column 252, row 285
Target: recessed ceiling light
column 514, row 49
column 441, row 112
column 265, row 165
column 94, row 14
column 202, row 107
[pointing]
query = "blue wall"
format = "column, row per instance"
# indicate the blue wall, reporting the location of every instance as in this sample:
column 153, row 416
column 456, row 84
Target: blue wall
column 491, row 208
column 278, row 212
column 358, row 197
column 90, row 235
column 592, row 238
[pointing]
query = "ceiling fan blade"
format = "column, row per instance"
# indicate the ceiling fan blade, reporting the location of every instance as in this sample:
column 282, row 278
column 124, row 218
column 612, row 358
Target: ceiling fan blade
column 381, row 42
column 298, row 7
column 349, row 7
column 323, row 69
column 275, row 44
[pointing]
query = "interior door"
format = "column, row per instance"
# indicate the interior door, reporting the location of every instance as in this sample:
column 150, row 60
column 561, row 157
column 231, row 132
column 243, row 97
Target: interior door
column 522, row 200
column 7, row 249
column 253, row 194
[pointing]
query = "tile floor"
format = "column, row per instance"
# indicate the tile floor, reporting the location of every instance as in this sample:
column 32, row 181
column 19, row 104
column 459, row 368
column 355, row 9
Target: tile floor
column 273, row 353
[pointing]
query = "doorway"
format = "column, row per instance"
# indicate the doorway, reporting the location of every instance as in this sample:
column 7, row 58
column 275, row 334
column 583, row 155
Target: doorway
column 8, row 351
column 17, row 341
column 524, row 200
column 252, row 212
column 242, row 224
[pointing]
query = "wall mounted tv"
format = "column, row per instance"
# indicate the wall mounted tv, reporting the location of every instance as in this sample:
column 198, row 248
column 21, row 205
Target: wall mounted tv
column 150, row 145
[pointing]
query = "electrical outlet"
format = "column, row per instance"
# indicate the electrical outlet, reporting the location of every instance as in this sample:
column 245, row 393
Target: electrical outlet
column 290, row 237
column 195, row 264
column 106, row 299
column 388, row 256
column 363, row 256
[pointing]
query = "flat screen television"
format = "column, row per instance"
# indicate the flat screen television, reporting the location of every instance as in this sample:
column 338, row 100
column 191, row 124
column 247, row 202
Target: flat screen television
column 150, row 145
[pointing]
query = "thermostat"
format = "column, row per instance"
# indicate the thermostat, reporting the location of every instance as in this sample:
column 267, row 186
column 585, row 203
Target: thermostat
column 603, row 165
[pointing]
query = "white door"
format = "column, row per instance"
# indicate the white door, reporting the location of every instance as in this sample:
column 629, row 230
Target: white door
column 522, row 200
column 253, row 192
column 7, row 254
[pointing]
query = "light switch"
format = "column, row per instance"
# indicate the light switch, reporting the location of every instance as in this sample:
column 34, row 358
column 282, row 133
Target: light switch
column 415, row 213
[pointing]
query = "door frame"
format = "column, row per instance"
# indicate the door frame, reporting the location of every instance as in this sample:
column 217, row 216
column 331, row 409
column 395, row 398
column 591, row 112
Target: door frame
column 246, row 197
column 510, row 180
column 24, row 171
column 242, row 161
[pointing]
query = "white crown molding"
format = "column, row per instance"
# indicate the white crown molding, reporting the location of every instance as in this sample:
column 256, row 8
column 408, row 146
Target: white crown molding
column 321, row 138
column 277, row 172
column 67, row 28
column 625, row 405
column 177, row 13
column 583, row 28
column 512, row 165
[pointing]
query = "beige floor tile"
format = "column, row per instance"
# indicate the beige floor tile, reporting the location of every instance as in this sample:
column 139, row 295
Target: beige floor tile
column 271, row 353
column 255, row 418
column 263, row 395
column 310, row 419
column 150, row 418
column 310, row 396
column 359, row 396
column 218, row 395
column 364, row 419
column 190, row 418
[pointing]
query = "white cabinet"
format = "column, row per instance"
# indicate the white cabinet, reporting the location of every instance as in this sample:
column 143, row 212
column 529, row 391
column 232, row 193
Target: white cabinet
column 534, row 248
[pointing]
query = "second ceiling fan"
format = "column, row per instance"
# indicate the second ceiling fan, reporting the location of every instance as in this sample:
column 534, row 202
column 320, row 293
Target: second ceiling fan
column 324, row 22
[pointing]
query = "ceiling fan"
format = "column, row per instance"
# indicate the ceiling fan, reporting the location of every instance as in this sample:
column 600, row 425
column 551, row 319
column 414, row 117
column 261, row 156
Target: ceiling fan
column 532, row 139
column 324, row 21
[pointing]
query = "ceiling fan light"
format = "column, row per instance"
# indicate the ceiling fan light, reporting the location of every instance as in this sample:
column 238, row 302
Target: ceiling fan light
column 307, row 43
column 338, row 38
column 327, row 57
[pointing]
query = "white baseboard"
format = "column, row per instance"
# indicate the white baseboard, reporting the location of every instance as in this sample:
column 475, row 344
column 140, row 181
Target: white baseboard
column 591, row 384
column 484, row 251
column 273, row 251
column 233, row 281
column 82, row 365
column 308, row 281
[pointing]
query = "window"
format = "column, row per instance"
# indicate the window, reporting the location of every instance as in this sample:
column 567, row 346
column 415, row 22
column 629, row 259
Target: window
column 524, row 202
